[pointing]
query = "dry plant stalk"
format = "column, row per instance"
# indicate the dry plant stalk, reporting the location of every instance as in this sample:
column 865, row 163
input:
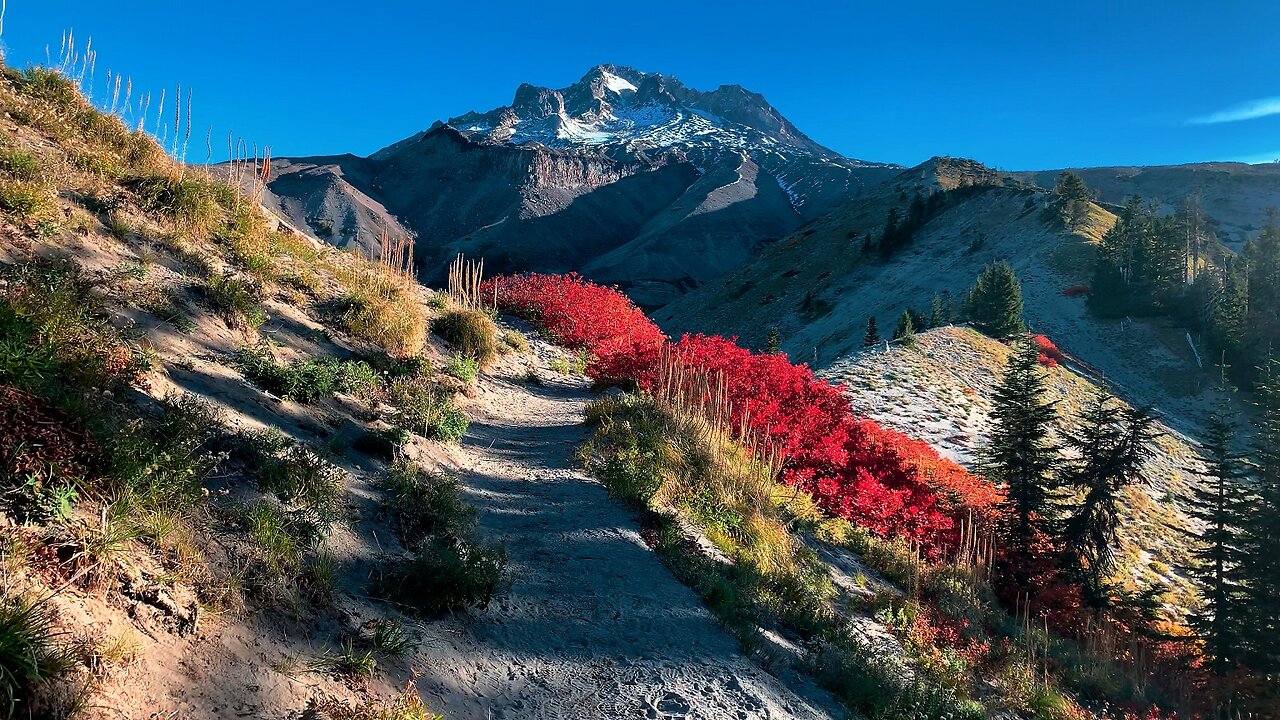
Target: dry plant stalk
column 687, row 390
column 464, row 281
column 395, row 253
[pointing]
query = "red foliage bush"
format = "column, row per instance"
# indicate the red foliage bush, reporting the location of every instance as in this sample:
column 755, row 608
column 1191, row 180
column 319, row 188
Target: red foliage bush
column 1076, row 291
column 1050, row 355
column 582, row 315
column 878, row 478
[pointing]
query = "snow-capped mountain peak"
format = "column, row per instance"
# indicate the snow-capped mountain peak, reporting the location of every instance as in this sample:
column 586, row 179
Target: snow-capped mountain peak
column 617, row 108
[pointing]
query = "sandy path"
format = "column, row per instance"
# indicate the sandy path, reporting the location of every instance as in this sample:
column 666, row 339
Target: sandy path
column 593, row 626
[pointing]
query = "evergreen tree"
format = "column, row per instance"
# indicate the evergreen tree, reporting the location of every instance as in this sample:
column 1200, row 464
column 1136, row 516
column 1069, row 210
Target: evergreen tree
column 1262, row 319
column 1020, row 455
column 774, row 342
column 1112, row 445
column 1118, row 285
column 937, row 312
column 994, row 304
column 1262, row 531
column 1224, row 301
column 916, row 212
column 1194, row 230
column 906, row 329
column 1072, row 198
column 889, row 237
column 873, row 333
column 1219, row 502
column 1070, row 186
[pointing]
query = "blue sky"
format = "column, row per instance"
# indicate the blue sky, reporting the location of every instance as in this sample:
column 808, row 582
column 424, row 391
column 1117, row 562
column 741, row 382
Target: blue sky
column 1017, row 85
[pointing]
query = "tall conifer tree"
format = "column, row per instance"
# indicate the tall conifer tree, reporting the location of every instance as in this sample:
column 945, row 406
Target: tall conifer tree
column 1021, row 456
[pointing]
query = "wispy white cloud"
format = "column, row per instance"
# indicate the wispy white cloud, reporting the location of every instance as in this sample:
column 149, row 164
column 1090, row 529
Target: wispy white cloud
column 1250, row 110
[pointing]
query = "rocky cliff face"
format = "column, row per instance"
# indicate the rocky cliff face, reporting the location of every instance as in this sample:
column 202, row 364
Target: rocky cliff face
column 630, row 176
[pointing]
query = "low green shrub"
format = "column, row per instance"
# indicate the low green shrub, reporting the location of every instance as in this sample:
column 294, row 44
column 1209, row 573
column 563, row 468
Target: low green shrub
column 161, row 464
column 515, row 340
column 384, row 444
column 301, row 478
column 190, row 202
column 54, row 310
column 450, row 567
column 236, row 300
column 464, row 368
column 446, row 575
column 426, row 410
column 425, row 504
column 25, row 199
column 19, row 164
column 307, row 380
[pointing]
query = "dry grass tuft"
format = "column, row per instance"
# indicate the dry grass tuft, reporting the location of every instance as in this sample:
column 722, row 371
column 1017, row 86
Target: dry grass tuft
column 471, row 331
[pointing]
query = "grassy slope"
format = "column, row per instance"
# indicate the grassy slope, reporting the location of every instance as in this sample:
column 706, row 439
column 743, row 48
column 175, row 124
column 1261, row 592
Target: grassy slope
column 227, row 603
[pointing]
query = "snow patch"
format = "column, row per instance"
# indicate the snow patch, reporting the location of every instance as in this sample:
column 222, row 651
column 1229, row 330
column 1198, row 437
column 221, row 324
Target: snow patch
column 617, row 84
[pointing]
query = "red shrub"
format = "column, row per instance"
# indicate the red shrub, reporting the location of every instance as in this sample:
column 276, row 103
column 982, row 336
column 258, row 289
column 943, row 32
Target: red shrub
column 1076, row 291
column 1050, row 355
column 582, row 315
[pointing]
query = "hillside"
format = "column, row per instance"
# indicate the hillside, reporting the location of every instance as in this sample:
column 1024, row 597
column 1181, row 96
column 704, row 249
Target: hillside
column 818, row 287
column 630, row 177
column 1235, row 196
column 940, row 390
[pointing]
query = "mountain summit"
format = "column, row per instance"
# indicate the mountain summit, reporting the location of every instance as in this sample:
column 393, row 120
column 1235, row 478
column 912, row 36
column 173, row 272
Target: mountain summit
column 632, row 177
column 622, row 107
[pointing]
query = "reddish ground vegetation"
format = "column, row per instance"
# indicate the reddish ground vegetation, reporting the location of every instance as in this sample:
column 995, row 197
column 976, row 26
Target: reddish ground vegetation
column 1076, row 291
column 1050, row 355
column 39, row 442
column 582, row 315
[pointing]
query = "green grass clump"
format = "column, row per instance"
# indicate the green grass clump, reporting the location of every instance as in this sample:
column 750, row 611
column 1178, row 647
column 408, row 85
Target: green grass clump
column 30, row 652
column 515, row 340
column 426, row 410
column 19, row 164
column 389, row 637
column 450, row 568
column 463, row 368
column 348, row 662
column 238, row 301
column 55, row 336
column 25, row 199
column 298, row 477
column 384, row 444
column 189, row 202
column 395, row 324
column 471, row 331
column 307, row 380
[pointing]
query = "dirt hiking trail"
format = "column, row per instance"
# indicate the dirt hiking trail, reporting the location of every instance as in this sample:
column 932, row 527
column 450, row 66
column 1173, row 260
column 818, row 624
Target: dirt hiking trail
column 592, row 625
